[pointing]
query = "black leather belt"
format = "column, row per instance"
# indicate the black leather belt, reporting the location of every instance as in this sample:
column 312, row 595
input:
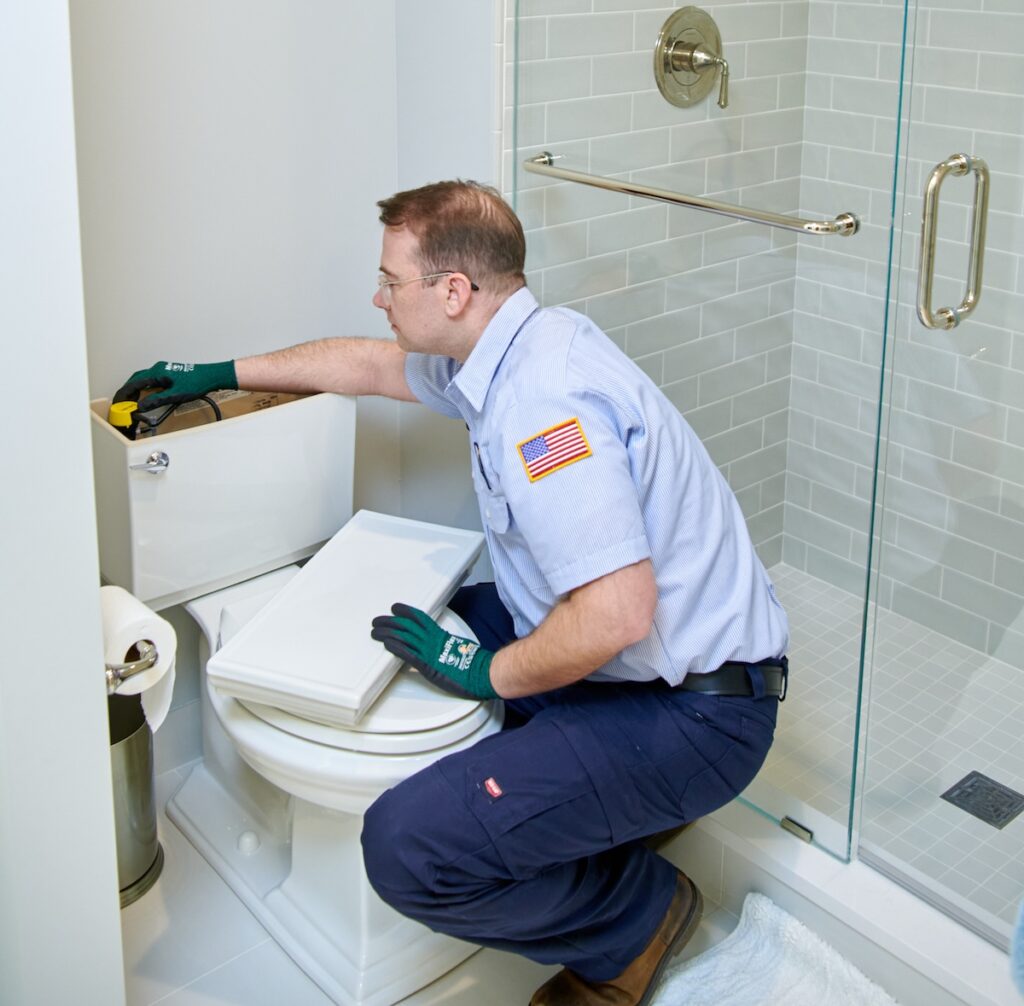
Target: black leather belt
column 734, row 678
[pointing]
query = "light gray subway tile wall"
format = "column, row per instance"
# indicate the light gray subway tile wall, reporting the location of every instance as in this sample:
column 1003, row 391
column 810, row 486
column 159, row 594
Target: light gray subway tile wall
column 851, row 97
column 704, row 303
column 750, row 330
column 952, row 419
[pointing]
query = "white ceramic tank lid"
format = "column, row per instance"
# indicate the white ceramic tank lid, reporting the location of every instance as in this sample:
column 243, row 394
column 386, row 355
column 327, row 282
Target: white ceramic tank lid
column 309, row 651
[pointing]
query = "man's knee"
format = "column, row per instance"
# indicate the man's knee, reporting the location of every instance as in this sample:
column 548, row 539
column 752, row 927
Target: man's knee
column 396, row 871
column 422, row 847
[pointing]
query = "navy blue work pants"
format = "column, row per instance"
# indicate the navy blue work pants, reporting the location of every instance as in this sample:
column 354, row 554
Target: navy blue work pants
column 532, row 840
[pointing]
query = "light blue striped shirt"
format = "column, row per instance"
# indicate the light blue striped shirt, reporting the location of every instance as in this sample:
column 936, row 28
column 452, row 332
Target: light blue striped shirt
column 647, row 489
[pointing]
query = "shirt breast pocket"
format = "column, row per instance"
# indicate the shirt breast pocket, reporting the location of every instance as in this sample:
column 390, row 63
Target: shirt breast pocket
column 496, row 512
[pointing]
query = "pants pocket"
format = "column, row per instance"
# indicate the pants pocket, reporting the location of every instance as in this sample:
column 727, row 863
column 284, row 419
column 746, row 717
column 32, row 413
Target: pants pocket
column 533, row 797
column 719, row 783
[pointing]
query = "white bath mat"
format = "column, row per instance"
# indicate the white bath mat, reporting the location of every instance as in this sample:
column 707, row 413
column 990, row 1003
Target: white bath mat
column 769, row 958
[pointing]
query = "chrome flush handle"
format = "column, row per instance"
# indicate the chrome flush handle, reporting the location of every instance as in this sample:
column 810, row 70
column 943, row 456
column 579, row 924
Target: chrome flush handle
column 155, row 464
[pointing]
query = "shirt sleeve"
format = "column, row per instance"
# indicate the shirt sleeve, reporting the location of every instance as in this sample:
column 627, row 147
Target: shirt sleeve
column 428, row 377
column 567, row 479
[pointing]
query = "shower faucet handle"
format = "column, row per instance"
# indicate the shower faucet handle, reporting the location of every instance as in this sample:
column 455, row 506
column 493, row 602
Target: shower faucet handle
column 694, row 58
column 686, row 55
column 723, row 87
column 697, row 59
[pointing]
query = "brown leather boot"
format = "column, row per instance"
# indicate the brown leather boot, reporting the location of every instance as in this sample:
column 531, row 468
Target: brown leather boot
column 636, row 985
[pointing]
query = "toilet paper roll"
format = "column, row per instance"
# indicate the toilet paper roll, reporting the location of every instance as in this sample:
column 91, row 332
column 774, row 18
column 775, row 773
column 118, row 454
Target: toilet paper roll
column 156, row 701
column 126, row 620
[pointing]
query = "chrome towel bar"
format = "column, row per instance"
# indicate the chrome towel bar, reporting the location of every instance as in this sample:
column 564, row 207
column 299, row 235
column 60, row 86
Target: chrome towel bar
column 845, row 225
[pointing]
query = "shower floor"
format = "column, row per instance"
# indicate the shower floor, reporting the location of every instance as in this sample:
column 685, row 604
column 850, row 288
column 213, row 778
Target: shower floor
column 936, row 711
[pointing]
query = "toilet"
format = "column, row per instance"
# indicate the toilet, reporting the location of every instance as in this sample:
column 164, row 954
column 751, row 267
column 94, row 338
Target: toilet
column 305, row 719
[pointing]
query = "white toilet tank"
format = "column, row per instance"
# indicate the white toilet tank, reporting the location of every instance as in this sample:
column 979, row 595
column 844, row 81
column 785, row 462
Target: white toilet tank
column 187, row 512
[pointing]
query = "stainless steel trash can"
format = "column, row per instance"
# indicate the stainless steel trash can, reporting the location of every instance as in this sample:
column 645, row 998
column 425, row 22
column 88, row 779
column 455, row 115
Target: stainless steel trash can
column 140, row 857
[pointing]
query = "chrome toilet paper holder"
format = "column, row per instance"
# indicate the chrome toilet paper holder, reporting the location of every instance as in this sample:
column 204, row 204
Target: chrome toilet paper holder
column 118, row 673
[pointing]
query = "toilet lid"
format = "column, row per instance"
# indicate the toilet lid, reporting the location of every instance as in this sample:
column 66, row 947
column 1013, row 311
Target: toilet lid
column 308, row 652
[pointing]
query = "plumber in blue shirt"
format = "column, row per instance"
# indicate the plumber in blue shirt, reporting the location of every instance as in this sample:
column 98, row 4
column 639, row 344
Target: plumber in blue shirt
column 631, row 630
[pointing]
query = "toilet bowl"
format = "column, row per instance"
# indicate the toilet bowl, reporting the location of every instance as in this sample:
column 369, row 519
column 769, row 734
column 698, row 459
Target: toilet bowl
column 276, row 805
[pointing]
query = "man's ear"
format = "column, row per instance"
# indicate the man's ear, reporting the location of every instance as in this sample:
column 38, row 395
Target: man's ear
column 457, row 292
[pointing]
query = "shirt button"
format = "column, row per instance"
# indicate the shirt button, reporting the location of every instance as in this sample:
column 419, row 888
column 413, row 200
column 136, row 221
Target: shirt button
column 488, row 511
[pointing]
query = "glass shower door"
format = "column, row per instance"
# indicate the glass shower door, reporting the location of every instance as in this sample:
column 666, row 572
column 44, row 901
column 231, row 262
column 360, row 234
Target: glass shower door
column 943, row 786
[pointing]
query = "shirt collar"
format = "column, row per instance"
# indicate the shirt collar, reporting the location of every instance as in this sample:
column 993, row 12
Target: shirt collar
column 475, row 376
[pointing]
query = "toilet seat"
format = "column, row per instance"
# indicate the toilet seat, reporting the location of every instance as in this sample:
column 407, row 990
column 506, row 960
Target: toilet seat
column 347, row 768
column 410, row 716
column 331, row 774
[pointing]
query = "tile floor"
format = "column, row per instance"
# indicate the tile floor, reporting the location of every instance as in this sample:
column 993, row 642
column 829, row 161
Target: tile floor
column 190, row 942
column 936, row 711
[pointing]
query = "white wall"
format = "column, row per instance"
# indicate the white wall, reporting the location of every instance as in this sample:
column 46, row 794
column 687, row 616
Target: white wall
column 230, row 158
column 449, row 99
column 59, row 933
column 449, row 84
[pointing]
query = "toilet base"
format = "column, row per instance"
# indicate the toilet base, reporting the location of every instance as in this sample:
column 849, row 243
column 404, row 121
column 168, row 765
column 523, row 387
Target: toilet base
column 307, row 887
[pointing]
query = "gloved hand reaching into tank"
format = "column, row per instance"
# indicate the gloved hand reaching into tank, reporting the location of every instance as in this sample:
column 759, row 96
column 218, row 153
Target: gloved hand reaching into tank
column 177, row 383
column 452, row 663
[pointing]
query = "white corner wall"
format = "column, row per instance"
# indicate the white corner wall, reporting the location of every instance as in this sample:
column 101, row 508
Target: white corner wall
column 448, row 90
column 449, row 123
column 60, row 941
column 230, row 159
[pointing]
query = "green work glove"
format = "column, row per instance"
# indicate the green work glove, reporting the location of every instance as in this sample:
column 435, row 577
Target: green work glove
column 178, row 382
column 452, row 663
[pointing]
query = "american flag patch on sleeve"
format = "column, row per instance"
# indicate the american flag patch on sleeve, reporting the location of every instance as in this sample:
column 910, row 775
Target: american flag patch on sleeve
column 553, row 449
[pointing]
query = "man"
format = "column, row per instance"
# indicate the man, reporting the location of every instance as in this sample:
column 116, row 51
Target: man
column 632, row 632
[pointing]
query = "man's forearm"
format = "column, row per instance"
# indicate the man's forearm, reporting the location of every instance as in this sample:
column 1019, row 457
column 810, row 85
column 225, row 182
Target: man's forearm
column 345, row 366
column 582, row 633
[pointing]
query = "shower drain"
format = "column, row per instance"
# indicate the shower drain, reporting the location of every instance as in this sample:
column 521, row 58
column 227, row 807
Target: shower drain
column 991, row 801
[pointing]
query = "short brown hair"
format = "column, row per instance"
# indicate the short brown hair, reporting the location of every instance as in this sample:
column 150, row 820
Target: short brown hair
column 465, row 226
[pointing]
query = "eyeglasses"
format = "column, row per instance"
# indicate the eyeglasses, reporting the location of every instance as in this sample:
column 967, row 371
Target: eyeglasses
column 384, row 284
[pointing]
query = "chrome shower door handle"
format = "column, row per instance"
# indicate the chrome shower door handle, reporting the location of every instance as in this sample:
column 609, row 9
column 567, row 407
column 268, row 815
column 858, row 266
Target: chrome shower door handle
column 950, row 317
